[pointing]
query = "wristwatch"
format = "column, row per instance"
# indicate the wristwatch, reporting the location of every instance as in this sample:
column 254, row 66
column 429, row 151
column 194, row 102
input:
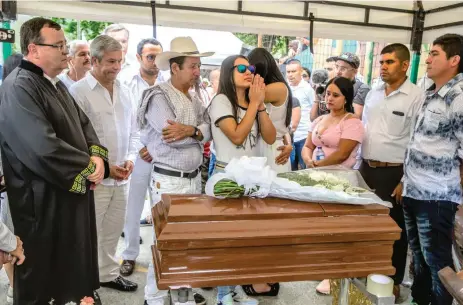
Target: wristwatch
column 196, row 133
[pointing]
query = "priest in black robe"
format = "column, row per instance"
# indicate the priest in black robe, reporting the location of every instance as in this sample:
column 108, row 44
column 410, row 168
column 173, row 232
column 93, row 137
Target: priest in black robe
column 52, row 159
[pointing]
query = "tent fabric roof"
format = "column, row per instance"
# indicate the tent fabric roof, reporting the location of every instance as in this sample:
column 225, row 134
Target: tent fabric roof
column 236, row 16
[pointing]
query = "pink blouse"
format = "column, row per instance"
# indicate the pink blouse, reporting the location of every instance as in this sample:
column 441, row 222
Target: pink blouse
column 349, row 128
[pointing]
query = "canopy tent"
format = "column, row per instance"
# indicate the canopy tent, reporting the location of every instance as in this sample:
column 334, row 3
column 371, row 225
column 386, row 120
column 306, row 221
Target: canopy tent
column 223, row 44
column 388, row 21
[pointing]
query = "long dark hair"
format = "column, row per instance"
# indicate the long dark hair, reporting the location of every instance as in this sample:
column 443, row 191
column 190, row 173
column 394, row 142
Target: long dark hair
column 267, row 68
column 347, row 89
column 10, row 64
column 227, row 83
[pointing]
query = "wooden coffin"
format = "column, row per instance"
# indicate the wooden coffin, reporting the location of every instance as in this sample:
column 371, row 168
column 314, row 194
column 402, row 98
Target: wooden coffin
column 206, row 242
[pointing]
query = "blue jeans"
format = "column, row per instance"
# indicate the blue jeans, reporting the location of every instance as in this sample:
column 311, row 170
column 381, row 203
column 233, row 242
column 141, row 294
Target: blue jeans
column 223, row 291
column 296, row 155
column 211, row 165
column 430, row 235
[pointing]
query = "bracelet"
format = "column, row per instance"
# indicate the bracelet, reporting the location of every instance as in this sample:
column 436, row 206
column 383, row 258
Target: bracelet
column 265, row 109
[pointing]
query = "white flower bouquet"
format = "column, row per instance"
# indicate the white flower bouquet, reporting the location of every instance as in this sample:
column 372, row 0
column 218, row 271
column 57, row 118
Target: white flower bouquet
column 252, row 177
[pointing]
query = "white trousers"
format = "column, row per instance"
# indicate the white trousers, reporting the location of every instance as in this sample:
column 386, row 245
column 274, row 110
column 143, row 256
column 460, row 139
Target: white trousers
column 110, row 205
column 139, row 184
column 168, row 185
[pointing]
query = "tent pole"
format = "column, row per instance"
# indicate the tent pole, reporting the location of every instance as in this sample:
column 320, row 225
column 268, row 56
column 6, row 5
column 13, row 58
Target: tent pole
column 7, row 47
column 370, row 63
column 417, row 39
column 415, row 67
column 153, row 15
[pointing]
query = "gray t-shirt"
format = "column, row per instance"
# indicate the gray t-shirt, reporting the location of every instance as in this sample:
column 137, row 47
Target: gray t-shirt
column 225, row 150
column 360, row 92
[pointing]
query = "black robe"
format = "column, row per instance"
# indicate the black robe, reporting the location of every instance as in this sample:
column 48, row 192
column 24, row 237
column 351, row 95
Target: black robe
column 46, row 143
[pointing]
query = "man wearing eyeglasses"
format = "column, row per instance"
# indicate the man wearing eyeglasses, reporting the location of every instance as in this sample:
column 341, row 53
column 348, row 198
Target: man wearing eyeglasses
column 147, row 76
column 347, row 65
column 52, row 162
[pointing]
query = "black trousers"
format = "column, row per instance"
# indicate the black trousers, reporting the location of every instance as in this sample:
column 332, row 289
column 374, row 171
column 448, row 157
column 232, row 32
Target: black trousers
column 384, row 180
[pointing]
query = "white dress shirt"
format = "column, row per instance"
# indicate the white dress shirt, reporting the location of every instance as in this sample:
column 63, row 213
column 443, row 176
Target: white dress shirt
column 114, row 120
column 306, row 96
column 67, row 81
column 388, row 122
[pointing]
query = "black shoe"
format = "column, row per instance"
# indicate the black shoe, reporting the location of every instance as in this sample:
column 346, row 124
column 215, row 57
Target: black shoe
column 207, row 288
column 96, row 298
column 146, row 303
column 120, row 284
column 141, row 240
column 199, row 299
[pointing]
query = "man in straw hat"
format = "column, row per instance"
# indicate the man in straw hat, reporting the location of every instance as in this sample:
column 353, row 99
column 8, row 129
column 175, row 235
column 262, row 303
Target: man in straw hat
column 177, row 130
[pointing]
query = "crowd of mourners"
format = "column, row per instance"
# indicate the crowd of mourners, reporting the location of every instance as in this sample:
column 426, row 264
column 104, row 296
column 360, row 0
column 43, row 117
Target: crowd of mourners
column 85, row 135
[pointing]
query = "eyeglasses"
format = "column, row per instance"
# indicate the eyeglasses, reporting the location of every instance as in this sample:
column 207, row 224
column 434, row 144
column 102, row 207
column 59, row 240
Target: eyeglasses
column 305, row 75
column 342, row 68
column 60, row 47
column 243, row 68
column 150, row 58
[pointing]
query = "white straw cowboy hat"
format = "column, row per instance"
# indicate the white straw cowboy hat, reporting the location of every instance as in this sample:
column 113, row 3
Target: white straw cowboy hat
column 180, row 46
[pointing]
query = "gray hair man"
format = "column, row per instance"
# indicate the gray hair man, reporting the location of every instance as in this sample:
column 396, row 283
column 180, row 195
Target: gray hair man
column 78, row 62
column 109, row 106
column 178, row 129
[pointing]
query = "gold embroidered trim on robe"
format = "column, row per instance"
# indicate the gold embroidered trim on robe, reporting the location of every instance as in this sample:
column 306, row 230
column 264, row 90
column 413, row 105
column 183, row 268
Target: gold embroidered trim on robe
column 98, row 151
column 80, row 182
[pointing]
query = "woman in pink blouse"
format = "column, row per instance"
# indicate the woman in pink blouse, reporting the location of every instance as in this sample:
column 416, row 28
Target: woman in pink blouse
column 338, row 133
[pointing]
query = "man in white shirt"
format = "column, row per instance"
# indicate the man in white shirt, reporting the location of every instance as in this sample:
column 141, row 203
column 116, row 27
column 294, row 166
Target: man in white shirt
column 306, row 96
column 121, row 34
column 178, row 130
column 78, row 62
column 109, row 106
column 388, row 115
column 147, row 76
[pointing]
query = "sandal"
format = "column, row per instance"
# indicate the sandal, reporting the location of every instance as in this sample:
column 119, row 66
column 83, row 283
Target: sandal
column 273, row 292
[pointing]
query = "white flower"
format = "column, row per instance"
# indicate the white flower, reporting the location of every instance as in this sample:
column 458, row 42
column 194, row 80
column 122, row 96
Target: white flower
column 52, row 301
column 71, row 303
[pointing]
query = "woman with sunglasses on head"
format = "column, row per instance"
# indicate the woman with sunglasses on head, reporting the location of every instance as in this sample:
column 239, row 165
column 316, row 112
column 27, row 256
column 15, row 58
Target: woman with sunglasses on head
column 238, row 120
column 334, row 136
column 278, row 100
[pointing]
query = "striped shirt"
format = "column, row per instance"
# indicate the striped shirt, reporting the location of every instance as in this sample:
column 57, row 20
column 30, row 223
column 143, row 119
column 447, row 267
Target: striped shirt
column 184, row 155
column 432, row 160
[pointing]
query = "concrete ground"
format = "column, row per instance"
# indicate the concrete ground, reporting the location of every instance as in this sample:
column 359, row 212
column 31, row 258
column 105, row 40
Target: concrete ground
column 296, row 293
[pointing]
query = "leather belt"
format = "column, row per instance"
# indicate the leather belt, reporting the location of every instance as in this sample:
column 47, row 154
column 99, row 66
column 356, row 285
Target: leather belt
column 374, row 164
column 171, row 173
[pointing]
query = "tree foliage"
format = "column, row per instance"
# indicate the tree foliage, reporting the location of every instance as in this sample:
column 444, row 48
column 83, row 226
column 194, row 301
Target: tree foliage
column 89, row 29
column 277, row 45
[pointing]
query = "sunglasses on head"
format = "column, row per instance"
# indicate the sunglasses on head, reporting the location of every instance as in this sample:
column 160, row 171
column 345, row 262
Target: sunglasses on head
column 243, row 68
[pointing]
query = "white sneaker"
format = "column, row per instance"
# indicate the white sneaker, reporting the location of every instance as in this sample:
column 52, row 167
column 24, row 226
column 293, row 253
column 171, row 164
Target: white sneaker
column 9, row 295
column 241, row 298
column 227, row 300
